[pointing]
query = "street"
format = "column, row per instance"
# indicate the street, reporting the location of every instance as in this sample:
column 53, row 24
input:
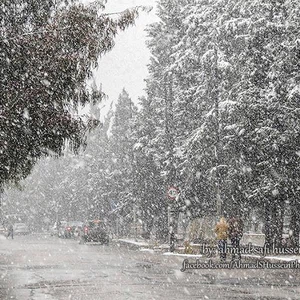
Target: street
column 44, row 267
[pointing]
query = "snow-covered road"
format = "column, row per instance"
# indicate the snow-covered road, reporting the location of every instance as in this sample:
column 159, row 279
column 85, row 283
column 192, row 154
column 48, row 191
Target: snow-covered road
column 43, row 267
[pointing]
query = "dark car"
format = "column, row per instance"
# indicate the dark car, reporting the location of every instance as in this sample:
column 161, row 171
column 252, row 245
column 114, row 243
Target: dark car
column 74, row 227
column 94, row 231
column 70, row 229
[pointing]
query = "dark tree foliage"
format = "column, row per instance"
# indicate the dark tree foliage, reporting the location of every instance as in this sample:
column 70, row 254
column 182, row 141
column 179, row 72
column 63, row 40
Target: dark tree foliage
column 47, row 52
column 234, row 70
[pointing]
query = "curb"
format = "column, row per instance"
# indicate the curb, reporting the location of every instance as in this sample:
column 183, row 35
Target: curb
column 131, row 245
column 140, row 245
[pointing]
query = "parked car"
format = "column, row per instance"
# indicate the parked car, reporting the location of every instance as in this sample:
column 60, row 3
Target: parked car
column 70, row 229
column 94, row 231
column 75, row 228
column 20, row 228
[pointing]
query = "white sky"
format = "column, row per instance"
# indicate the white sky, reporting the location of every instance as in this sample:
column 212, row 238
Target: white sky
column 126, row 64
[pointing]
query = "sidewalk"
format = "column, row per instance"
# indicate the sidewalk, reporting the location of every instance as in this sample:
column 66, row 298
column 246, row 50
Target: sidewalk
column 152, row 247
column 133, row 243
column 141, row 244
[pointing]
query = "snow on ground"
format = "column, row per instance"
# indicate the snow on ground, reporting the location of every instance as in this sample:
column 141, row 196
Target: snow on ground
column 137, row 243
column 183, row 255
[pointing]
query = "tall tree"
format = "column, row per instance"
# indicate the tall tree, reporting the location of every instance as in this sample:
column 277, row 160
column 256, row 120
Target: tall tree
column 161, row 95
column 148, row 185
column 121, row 163
column 47, row 52
column 234, row 89
column 245, row 50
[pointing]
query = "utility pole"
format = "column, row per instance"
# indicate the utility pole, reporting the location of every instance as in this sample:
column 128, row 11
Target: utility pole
column 1, row 209
column 135, row 222
column 169, row 133
column 215, row 93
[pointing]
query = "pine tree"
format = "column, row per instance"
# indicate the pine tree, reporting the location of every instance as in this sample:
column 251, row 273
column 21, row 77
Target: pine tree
column 161, row 93
column 121, row 153
column 148, row 187
column 235, row 66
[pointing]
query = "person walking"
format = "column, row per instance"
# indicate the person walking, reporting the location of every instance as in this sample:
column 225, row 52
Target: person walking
column 221, row 230
column 236, row 227
column 10, row 231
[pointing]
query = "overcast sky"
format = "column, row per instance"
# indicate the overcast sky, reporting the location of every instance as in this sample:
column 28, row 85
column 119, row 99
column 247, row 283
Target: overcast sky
column 126, row 65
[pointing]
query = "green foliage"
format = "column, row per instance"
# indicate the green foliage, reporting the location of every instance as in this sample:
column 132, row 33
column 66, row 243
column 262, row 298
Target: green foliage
column 47, row 53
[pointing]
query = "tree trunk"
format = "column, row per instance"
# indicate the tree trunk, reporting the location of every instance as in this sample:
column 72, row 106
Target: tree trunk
column 295, row 222
column 274, row 208
column 268, row 229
